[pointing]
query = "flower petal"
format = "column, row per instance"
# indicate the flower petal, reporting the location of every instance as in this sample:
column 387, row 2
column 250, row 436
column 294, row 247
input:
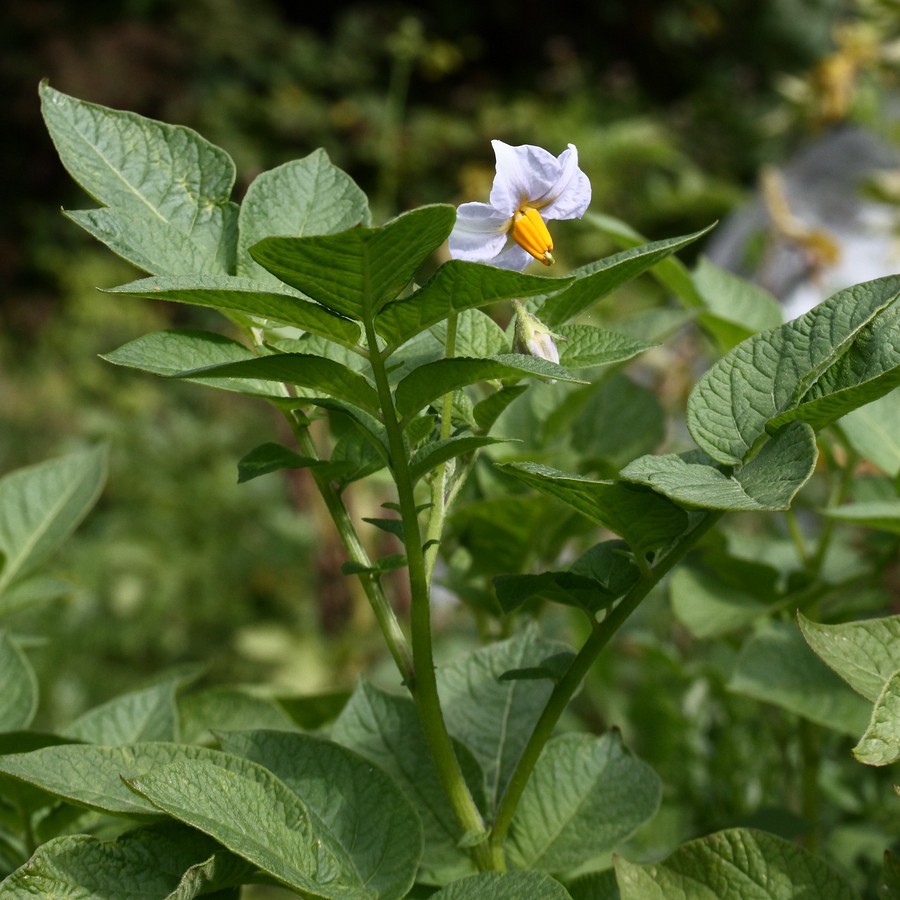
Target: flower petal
column 570, row 195
column 514, row 257
column 480, row 232
column 523, row 174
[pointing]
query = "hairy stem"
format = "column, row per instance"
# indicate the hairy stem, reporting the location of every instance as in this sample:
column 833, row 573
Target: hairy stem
column 568, row 684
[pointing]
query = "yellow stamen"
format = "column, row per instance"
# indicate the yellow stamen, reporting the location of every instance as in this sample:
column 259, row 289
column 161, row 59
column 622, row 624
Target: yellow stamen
column 530, row 233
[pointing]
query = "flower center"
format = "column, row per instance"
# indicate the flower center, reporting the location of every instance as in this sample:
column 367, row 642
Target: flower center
column 530, row 233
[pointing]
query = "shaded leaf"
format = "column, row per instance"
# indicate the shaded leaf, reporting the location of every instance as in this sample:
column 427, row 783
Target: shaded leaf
column 880, row 745
column 874, row 432
column 436, row 452
column 203, row 714
column 18, row 686
column 270, row 457
column 883, row 515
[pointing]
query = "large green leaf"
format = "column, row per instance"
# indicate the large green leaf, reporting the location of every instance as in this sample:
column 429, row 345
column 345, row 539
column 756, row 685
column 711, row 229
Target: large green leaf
column 644, row 519
column 91, row 776
column 165, row 190
column 427, row 383
column 203, row 714
column 770, row 481
column 584, row 346
column 18, row 686
column 384, row 728
column 865, row 654
column 362, row 807
column 355, row 273
column 838, row 356
column 598, row 279
column 299, row 198
column 457, row 286
column 586, row 795
column 874, row 432
column 738, row 864
column 41, row 505
column 883, row 515
column 505, row 886
column 170, row 353
column 880, row 745
column 154, row 861
column 494, row 718
column 776, row 666
column 256, row 816
column 243, row 295
column 317, row 374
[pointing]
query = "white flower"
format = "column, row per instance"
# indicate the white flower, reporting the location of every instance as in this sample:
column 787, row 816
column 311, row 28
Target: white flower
column 530, row 186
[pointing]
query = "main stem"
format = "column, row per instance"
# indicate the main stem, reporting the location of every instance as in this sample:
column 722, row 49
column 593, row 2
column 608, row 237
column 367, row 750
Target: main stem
column 566, row 687
column 423, row 684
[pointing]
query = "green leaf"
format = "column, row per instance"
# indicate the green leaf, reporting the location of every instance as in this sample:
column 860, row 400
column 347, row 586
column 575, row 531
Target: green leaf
column 455, row 287
column 41, row 505
column 355, row 273
column 31, row 590
column 384, row 728
column 595, row 886
column 889, row 886
column 487, row 411
column 494, row 719
column 505, row 886
column 270, row 457
column 874, row 432
column 18, row 686
column 165, row 190
column 170, row 353
column 838, row 356
column 586, row 795
column 552, row 668
column 243, row 295
column 709, row 607
column 205, row 713
column 584, row 346
column 358, row 804
column 776, row 666
column 300, row 198
column 737, row 864
column 256, row 816
column 317, row 373
column 433, row 454
column 477, row 334
column 883, row 515
column 865, row 654
column 556, row 587
column 736, row 308
column 644, row 519
column 770, row 481
column 428, row 383
column 598, row 279
column 145, row 862
column 880, row 745
column 91, row 776
column 148, row 714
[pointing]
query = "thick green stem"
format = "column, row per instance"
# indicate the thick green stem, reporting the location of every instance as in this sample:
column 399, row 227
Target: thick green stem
column 423, row 685
column 566, row 687
column 384, row 613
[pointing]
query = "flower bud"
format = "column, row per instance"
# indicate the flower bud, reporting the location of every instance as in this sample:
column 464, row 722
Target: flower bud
column 533, row 337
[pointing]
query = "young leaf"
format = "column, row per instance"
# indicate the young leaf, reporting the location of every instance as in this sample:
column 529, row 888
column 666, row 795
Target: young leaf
column 736, row 864
column 586, row 795
column 384, row 728
column 169, row 353
column 427, row 383
column 556, row 587
column 18, row 686
column 880, row 745
column 358, row 804
column 148, row 714
column 505, row 886
column 355, row 273
column 865, row 654
column 770, row 481
column 477, row 334
column 433, row 454
column 644, row 519
column 494, row 719
column 586, row 346
column 270, row 457
column 299, row 198
column 164, row 189
column 775, row 666
column 838, row 356
column 147, row 862
column 247, row 809
column 243, row 295
column 487, row 411
column 598, row 279
column 316, row 373
column 41, row 505
column 455, row 287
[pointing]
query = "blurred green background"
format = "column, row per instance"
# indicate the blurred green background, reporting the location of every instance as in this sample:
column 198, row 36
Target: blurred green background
column 674, row 106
